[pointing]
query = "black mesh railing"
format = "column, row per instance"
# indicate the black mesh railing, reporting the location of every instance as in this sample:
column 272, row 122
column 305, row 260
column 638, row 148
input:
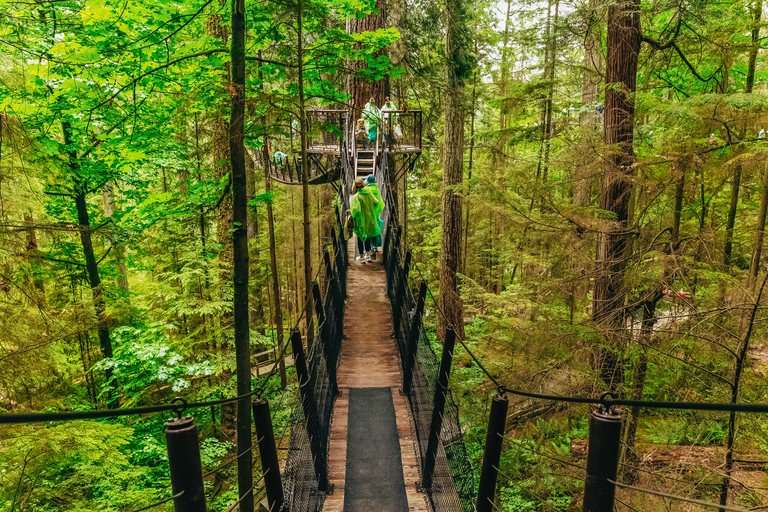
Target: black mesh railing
column 452, row 479
column 305, row 474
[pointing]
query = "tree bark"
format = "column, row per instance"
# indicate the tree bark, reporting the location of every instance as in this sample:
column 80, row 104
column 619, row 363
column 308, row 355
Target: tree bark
column 552, row 43
column 456, row 73
column 617, row 181
column 33, row 253
column 109, row 210
column 308, row 302
column 757, row 13
column 91, row 265
column 360, row 90
column 241, row 258
column 221, row 154
column 593, row 68
column 754, row 266
column 728, row 247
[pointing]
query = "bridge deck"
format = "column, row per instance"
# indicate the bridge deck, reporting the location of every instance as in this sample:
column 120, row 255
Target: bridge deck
column 369, row 359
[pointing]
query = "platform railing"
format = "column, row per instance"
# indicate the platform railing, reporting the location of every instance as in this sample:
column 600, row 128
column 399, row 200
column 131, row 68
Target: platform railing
column 401, row 130
column 326, row 129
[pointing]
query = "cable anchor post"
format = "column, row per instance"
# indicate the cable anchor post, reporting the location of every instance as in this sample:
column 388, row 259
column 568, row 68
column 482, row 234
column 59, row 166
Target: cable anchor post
column 602, row 456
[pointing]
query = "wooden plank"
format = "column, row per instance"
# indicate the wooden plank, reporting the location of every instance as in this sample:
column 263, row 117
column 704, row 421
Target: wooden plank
column 369, row 359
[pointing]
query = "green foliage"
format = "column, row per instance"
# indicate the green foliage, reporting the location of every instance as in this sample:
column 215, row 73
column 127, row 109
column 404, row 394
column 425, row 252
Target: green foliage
column 145, row 361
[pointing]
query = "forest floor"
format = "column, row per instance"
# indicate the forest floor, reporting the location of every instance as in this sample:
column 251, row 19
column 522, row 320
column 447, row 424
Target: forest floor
column 691, row 471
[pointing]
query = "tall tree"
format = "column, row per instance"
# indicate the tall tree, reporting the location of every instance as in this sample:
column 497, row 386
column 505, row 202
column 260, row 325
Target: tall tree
column 221, row 146
column 460, row 62
column 360, row 89
column 623, row 46
column 308, row 302
column 240, row 253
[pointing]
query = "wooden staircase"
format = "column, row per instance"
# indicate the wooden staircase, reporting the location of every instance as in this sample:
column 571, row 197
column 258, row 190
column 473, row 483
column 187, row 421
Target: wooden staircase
column 365, row 162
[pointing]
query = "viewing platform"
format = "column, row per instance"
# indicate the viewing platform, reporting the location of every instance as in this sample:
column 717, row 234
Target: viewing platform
column 331, row 136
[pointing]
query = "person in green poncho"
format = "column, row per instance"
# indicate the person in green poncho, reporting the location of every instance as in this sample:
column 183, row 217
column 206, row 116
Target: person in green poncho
column 364, row 208
column 370, row 182
column 372, row 116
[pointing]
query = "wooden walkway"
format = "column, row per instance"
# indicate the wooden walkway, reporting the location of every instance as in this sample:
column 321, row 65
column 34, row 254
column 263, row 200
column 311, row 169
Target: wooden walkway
column 369, row 359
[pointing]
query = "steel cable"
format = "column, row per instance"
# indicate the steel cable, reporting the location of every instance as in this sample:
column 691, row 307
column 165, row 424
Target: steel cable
column 608, row 399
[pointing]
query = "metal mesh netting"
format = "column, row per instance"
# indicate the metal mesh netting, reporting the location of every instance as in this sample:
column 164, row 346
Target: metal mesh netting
column 453, row 487
column 305, row 475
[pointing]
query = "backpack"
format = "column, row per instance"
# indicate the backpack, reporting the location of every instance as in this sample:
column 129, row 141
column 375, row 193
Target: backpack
column 349, row 226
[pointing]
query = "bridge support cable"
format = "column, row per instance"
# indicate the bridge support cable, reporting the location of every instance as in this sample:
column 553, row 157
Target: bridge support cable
column 185, row 466
column 494, row 439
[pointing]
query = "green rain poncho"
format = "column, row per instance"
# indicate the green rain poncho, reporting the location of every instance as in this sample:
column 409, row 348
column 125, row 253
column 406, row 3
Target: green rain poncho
column 377, row 210
column 364, row 207
column 372, row 115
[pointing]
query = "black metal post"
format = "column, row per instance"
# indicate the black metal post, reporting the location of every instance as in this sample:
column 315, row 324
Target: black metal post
column 398, row 288
column 412, row 343
column 602, row 459
column 334, row 240
column 497, row 420
column 330, row 281
column 309, row 406
column 387, row 243
column 299, row 361
column 269, row 464
column 407, row 265
column 318, row 300
column 184, row 461
column 441, row 389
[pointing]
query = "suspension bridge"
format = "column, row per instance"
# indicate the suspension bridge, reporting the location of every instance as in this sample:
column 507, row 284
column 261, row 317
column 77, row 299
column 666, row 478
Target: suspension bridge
column 375, row 427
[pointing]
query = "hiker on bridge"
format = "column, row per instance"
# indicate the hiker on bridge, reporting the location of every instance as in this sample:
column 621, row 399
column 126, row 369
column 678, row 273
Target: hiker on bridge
column 372, row 116
column 365, row 212
column 361, row 135
column 370, row 182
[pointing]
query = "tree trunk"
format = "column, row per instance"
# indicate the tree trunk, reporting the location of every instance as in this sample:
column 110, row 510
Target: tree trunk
column 360, row 90
column 305, row 185
column 241, row 258
column 735, row 186
column 397, row 51
column 456, row 73
column 32, row 253
column 757, row 13
column 740, row 360
column 109, row 210
column 754, row 266
column 593, row 67
column 221, row 155
column 255, row 298
column 278, row 310
column 545, row 105
column 469, row 170
column 617, row 181
column 552, row 43
column 91, row 265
